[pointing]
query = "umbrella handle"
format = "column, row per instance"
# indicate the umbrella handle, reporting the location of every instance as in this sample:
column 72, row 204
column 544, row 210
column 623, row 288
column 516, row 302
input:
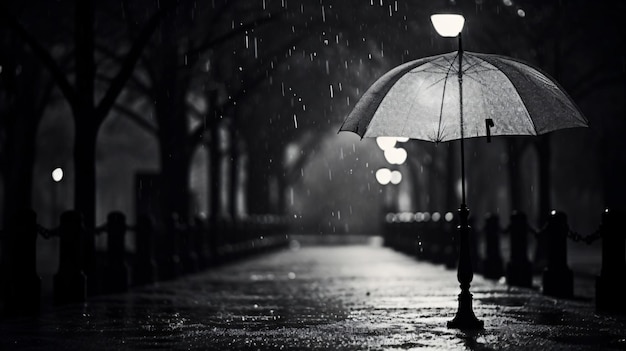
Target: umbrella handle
column 488, row 125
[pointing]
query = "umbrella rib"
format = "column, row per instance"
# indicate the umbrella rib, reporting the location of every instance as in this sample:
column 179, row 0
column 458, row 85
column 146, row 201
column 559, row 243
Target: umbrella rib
column 443, row 94
column 450, row 65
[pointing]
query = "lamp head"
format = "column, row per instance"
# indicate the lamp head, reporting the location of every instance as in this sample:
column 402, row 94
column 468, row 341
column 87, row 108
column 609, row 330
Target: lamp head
column 448, row 24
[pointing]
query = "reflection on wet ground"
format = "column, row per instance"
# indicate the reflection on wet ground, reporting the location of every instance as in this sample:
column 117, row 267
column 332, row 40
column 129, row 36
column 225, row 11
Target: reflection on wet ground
column 349, row 297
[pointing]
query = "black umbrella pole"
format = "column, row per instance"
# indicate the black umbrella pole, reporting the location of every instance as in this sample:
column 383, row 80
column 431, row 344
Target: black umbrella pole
column 460, row 75
column 465, row 318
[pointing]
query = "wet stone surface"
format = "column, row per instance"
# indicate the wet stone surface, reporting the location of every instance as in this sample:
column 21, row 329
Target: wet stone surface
column 355, row 297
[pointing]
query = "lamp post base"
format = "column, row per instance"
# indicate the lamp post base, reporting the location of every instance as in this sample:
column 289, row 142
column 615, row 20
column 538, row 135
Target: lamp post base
column 465, row 318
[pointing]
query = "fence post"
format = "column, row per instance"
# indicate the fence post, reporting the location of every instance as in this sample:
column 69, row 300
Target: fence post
column 609, row 291
column 145, row 266
column 558, row 279
column 492, row 265
column 70, row 282
column 23, row 283
column 168, row 250
column 116, row 277
column 519, row 270
column 189, row 249
column 200, row 232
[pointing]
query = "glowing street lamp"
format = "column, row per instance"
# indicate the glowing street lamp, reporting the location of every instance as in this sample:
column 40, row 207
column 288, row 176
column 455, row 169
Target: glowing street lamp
column 57, row 176
column 383, row 176
column 395, row 156
column 450, row 24
column 395, row 177
column 385, row 143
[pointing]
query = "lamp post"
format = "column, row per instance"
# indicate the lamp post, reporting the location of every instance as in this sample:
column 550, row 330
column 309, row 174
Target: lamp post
column 451, row 25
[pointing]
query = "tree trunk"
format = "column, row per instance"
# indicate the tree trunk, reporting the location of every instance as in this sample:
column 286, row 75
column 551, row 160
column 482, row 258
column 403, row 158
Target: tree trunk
column 85, row 193
column 84, row 114
column 545, row 186
column 258, row 185
column 20, row 158
column 234, row 173
column 175, row 172
column 22, row 117
column 613, row 163
column 515, row 182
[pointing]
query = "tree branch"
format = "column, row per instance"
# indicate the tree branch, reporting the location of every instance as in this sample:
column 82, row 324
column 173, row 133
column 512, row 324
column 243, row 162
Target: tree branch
column 129, row 63
column 45, row 57
column 233, row 33
column 138, row 119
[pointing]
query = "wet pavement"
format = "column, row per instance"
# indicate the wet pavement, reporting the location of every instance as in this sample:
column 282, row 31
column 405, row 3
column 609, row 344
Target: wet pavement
column 318, row 297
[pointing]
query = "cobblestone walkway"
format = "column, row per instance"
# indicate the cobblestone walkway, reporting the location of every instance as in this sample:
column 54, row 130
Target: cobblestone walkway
column 347, row 297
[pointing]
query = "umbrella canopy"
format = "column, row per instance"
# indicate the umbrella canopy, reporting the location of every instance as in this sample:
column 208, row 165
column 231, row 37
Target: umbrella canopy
column 420, row 100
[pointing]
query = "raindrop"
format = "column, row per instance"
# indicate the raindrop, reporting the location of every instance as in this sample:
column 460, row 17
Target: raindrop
column 256, row 48
column 521, row 13
column 323, row 15
column 331, row 91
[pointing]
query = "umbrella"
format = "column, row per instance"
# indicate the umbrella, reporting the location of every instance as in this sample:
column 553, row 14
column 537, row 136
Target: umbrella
column 462, row 95
column 432, row 99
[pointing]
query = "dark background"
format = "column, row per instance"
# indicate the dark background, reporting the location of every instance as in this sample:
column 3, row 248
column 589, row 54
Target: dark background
column 236, row 105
